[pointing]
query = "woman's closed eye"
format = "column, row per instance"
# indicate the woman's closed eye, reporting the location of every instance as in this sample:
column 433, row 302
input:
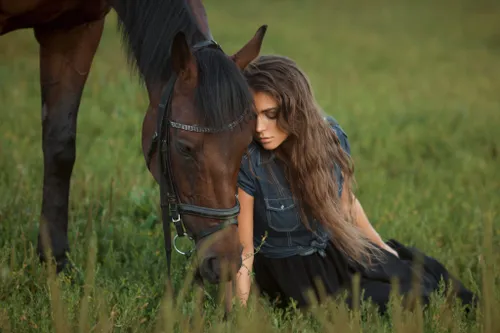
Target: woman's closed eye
column 272, row 113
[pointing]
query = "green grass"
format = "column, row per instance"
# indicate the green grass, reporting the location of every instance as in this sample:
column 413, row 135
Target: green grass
column 416, row 86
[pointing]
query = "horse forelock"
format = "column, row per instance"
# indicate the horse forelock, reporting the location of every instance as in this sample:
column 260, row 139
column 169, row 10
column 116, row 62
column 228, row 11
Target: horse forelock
column 222, row 93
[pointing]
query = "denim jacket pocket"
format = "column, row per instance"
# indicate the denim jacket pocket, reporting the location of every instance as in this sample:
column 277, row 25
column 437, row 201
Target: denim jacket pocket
column 282, row 214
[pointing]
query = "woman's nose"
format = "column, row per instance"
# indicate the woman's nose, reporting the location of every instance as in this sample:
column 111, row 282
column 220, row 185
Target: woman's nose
column 260, row 126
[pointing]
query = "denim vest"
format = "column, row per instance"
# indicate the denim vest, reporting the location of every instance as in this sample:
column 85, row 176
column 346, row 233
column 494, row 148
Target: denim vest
column 275, row 211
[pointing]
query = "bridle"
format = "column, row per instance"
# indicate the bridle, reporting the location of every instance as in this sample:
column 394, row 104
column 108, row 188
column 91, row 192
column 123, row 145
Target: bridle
column 171, row 206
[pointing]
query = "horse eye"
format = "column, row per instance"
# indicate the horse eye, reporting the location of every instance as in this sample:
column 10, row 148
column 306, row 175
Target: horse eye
column 185, row 148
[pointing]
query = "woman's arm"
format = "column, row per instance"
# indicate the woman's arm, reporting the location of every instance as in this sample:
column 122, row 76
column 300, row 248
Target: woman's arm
column 245, row 230
column 362, row 221
column 356, row 209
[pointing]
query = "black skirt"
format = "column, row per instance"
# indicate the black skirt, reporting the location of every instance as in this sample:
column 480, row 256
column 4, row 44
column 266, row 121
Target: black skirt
column 290, row 278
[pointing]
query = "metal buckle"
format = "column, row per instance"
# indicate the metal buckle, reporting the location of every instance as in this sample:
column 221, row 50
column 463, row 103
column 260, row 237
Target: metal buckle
column 177, row 219
column 179, row 251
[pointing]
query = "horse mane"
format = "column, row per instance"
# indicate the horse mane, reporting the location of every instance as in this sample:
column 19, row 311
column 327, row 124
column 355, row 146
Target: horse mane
column 148, row 28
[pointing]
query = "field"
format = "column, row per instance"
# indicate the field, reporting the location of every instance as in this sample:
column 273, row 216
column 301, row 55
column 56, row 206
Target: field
column 416, row 86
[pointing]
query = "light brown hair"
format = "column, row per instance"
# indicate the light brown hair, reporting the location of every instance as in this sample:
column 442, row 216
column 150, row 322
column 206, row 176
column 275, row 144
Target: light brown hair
column 310, row 152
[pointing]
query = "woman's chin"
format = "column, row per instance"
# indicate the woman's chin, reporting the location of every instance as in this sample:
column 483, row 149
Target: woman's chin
column 268, row 145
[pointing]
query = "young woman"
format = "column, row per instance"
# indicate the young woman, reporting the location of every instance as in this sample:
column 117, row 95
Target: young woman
column 299, row 221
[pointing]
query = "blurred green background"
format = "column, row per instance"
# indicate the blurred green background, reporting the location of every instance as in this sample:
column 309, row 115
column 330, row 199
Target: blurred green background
column 415, row 84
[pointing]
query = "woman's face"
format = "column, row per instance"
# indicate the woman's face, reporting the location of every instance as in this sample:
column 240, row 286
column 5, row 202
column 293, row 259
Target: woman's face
column 268, row 133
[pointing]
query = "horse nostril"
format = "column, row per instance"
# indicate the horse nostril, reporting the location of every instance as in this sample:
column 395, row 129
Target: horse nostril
column 213, row 266
column 215, row 269
column 210, row 269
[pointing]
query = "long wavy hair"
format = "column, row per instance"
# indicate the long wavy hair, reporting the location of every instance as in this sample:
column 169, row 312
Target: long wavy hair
column 310, row 153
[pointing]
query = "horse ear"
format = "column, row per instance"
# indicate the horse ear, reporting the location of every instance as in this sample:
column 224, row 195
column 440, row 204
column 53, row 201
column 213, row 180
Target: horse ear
column 183, row 61
column 251, row 49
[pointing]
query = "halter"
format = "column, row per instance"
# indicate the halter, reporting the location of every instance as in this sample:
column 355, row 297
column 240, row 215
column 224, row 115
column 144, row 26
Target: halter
column 171, row 205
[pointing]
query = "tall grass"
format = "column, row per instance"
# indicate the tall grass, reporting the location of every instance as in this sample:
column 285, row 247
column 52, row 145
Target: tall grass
column 414, row 84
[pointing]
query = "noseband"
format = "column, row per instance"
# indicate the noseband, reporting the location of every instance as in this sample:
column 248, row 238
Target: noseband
column 171, row 206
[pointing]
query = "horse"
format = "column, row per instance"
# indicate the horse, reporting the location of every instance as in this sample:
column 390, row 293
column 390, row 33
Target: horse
column 195, row 130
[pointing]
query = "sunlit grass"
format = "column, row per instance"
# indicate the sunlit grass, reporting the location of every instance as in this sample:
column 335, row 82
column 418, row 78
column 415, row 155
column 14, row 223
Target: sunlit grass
column 414, row 84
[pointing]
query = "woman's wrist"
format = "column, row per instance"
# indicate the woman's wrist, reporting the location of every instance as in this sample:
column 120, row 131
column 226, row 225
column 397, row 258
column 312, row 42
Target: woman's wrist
column 243, row 283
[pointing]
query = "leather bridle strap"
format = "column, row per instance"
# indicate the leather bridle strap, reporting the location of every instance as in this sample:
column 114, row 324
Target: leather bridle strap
column 166, row 214
column 220, row 214
column 216, row 228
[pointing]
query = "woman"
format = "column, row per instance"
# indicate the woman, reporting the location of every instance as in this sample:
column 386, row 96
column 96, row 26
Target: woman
column 299, row 220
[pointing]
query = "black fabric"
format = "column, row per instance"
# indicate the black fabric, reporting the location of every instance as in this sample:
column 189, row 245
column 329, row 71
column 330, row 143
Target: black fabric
column 283, row 278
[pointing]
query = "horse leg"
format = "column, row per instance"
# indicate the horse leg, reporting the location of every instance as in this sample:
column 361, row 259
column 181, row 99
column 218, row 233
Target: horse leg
column 65, row 59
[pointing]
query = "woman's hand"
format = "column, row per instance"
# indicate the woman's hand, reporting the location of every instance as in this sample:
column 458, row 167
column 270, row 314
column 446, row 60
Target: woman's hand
column 245, row 230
